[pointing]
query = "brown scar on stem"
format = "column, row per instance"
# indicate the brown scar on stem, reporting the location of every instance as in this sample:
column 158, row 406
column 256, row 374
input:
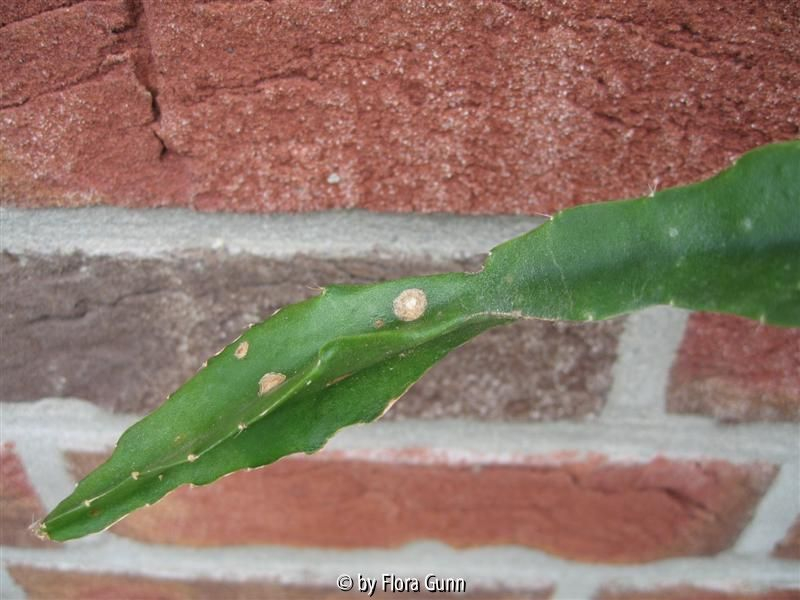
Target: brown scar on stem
column 338, row 379
column 241, row 350
column 269, row 381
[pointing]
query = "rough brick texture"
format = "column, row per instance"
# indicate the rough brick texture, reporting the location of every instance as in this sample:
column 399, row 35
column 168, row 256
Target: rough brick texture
column 591, row 511
column 737, row 370
column 103, row 323
column 17, row 11
column 475, row 106
column 19, row 504
column 789, row 546
column 695, row 593
column 49, row 584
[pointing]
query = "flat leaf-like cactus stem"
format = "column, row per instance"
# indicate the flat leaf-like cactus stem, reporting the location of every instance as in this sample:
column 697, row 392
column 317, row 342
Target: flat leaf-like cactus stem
column 729, row 244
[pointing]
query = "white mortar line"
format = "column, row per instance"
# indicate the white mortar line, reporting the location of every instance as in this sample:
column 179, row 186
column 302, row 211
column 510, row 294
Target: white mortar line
column 9, row 590
column 66, row 422
column 79, row 425
column 330, row 234
column 582, row 587
column 46, row 469
column 775, row 514
column 647, row 348
column 504, row 565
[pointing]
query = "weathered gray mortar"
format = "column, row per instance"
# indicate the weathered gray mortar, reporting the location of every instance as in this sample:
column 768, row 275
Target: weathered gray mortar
column 107, row 231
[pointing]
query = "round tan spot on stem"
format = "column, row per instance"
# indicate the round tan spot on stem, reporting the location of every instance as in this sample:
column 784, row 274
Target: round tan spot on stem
column 269, row 381
column 192, row 457
column 241, row 350
column 135, row 475
column 410, row 304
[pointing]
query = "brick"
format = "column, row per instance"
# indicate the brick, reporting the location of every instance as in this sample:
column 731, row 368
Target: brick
column 70, row 147
column 20, row 506
column 37, row 55
column 480, row 107
column 696, row 593
column 17, row 11
column 90, row 327
column 789, row 546
column 736, row 370
column 594, row 510
column 64, row 585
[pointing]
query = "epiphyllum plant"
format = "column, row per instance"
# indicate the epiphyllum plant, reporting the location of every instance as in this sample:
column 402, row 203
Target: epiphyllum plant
column 729, row 244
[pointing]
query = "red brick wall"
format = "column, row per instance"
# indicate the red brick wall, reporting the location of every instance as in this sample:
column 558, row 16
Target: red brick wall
column 474, row 106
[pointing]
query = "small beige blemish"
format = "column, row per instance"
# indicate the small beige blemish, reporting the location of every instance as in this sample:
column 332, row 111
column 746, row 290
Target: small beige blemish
column 269, row 381
column 87, row 503
column 241, row 350
column 378, row 323
column 242, row 426
column 192, row 457
column 161, row 477
column 134, row 475
column 410, row 304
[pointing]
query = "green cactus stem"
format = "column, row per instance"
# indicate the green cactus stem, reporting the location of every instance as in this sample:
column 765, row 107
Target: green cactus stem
column 729, row 244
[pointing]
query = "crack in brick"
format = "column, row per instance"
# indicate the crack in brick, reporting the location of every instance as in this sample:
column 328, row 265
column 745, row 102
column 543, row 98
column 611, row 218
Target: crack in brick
column 729, row 55
column 206, row 91
column 102, row 70
column 144, row 60
column 83, row 306
column 109, row 57
column 67, row 4
column 510, row 5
